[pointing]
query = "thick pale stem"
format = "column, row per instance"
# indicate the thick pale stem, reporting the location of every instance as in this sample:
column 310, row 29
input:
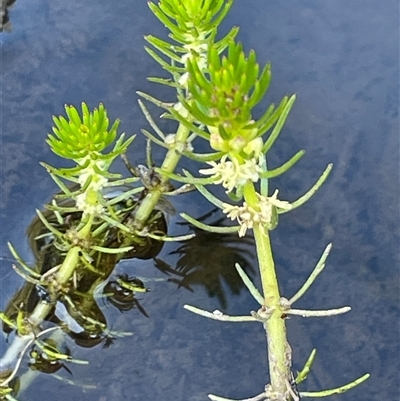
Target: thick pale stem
column 279, row 356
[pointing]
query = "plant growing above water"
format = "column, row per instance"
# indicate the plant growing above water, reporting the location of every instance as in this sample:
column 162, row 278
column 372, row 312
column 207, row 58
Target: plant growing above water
column 86, row 229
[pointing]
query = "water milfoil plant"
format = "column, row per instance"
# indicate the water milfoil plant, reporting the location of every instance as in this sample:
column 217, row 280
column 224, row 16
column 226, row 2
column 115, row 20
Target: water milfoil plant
column 223, row 92
column 88, row 227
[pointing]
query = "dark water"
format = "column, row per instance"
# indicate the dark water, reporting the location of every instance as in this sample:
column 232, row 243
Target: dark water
column 341, row 59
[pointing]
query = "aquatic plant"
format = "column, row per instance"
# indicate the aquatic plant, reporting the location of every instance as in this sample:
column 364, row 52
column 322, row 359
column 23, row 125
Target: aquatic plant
column 87, row 228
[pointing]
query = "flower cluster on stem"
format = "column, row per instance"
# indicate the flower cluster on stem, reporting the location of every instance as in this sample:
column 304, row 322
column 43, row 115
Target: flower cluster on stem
column 263, row 214
column 231, row 174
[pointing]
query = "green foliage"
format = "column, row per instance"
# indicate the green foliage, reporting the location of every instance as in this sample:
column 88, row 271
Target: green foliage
column 82, row 136
column 191, row 20
column 229, row 89
column 224, row 96
column 193, row 26
column 83, row 139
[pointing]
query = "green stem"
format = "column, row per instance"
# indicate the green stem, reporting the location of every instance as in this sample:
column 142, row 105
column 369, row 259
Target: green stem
column 85, row 231
column 279, row 357
column 43, row 308
column 278, row 350
column 170, row 162
column 250, row 195
column 68, row 266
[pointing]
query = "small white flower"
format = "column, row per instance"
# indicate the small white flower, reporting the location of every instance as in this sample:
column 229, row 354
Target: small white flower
column 243, row 214
column 198, row 47
column 88, row 207
column 248, row 217
column 273, row 200
column 84, row 201
column 183, row 79
column 98, row 181
column 231, row 174
column 181, row 109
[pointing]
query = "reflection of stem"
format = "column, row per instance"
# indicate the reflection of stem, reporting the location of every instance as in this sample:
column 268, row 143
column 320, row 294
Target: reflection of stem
column 41, row 310
column 26, row 342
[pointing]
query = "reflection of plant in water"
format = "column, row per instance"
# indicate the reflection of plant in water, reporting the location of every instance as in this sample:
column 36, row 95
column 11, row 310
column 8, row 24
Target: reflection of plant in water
column 121, row 293
column 47, row 358
column 88, row 228
column 5, row 23
column 207, row 260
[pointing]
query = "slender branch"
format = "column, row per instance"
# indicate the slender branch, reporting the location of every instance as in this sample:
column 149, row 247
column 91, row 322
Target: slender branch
column 303, row 199
column 180, row 178
column 218, row 315
column 151, row 99
column 337, row 390
column 318, row 313
column 278, row 126
column 249, row 284
column 317, row 270
column 258, row 397
column 302, row 375
column 151, row 121
column 206, row 227
column 210, row 197
column 165, row 238
column 148, row 135
column 285, row 167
